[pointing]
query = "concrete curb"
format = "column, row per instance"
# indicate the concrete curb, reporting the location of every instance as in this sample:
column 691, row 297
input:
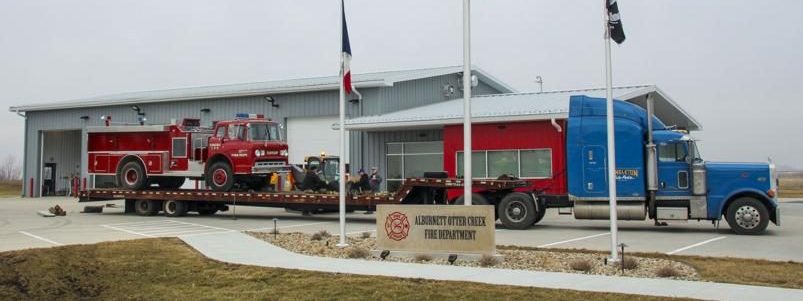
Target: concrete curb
column 240, row 248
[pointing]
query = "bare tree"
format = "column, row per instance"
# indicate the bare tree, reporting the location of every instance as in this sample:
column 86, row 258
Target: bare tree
column 10, row 169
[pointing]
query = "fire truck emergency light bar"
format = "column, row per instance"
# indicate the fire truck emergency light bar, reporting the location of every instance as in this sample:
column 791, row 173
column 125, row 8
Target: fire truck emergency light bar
column 248, row 116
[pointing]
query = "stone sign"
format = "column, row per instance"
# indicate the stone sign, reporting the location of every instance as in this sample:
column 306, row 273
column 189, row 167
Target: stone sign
column 436, row 228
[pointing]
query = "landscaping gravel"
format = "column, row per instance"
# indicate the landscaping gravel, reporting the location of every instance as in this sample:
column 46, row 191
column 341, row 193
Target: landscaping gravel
column 324, row 244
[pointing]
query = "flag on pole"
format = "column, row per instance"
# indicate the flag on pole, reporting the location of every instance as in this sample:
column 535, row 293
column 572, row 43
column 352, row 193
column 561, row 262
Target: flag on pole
column 346, row 52
column 615, row 22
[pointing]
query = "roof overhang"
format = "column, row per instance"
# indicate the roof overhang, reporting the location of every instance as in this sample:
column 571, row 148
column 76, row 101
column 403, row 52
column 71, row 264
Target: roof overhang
column 520, row 107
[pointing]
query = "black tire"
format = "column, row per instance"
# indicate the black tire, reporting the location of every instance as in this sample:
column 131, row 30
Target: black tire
column 146, row 207
column 207, row 212
column 175, row 208
column 747, row 215
column 476, row 199
column 170, row 182
column 517, row 211
column 541, row 208
column 132, row 176
column 220, row 177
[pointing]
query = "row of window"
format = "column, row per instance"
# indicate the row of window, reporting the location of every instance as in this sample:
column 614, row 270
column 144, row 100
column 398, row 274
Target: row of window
column 524, row 163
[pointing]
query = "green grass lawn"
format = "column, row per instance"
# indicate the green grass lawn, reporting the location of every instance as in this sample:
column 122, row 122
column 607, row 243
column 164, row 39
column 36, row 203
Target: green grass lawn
column 167, row 269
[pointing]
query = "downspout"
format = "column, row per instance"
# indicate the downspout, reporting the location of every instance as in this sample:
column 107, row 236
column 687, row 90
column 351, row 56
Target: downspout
column 556, row 126
column 24, row 154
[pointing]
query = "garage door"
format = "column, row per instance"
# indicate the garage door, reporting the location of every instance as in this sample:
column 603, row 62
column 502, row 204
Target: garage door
column 311, row 136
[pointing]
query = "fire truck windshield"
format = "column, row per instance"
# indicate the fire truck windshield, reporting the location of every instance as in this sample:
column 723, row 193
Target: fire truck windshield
column 263, row 132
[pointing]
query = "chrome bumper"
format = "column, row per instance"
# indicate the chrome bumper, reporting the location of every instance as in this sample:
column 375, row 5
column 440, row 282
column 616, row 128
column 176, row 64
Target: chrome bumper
column 267, row 167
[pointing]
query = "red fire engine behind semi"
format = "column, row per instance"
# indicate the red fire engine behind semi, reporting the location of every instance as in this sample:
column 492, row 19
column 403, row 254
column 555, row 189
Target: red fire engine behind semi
column 240, row 152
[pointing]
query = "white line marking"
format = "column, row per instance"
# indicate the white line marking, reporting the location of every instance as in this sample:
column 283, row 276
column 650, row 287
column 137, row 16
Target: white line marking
column 127, row 231
column 41, row 238
column 573, row 240
column 171, row 229
column 696, row 245
column 291, row 226
column 145, row 222
column 182, row 230
column 199, row 225
column 207, row 233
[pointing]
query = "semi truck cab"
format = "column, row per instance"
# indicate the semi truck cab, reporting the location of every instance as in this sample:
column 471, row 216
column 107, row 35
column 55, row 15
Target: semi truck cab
column 660, row 173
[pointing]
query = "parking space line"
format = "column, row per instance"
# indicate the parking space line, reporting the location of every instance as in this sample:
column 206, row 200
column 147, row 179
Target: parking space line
column 179, row 232
column 695, row 245
column 290, row 226
column 41, row 238
column 573, row 240
column 127, row 231
column 199, row 225
column 145, row 222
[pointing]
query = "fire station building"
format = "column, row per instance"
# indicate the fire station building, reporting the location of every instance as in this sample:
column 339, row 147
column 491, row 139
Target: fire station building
column 406, row 123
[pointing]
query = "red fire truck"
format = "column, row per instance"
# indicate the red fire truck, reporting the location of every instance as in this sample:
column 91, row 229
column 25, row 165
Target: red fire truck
column 242, row 152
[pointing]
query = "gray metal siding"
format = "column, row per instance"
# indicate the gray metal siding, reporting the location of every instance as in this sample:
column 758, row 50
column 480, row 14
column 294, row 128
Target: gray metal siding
column 363, row 147
column 374, row 146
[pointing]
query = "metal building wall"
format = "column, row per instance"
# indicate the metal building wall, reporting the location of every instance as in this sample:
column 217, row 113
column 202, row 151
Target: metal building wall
column 308, row 104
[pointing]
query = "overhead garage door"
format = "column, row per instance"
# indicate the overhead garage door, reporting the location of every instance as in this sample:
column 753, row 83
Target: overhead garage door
column 311, row 136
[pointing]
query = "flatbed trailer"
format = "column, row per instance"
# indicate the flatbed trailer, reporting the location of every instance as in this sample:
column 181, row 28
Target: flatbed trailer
column 177, row 202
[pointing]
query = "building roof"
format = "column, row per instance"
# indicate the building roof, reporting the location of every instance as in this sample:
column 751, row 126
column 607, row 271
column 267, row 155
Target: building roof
column 366, row 80
column 520, row 107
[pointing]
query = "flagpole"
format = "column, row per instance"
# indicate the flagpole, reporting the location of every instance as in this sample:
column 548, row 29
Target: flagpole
column 467, row 189
column 611, row 138
column 342, row 131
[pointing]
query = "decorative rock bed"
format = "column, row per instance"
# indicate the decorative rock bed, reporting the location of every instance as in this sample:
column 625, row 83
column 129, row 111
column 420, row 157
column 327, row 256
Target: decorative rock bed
column 323, row 244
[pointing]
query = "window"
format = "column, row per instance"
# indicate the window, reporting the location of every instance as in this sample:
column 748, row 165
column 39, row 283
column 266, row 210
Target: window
column 179, row 147
column 221, row 132
column 236, row 132
column 477, row 164
column 534, row 163
column 412, row 159
column 263, row 131
column 672, row 152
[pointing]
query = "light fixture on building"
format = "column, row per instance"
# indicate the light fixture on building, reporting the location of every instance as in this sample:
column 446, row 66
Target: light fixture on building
column 206, row 110
column 448, row 90
column 272, row 101
column 140, row 115
column 474, row 81
column 84, row 118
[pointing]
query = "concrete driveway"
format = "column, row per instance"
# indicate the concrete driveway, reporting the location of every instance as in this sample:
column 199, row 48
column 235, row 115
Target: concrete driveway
column 21, row 228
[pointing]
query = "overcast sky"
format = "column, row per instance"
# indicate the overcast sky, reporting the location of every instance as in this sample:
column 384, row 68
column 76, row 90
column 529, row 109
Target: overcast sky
column 734, row 65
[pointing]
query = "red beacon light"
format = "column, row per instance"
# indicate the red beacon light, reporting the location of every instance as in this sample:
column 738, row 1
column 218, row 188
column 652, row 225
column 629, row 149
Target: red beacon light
column 249, row 116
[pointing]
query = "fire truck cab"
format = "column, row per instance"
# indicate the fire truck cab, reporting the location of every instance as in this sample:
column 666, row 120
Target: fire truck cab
column 242, row 152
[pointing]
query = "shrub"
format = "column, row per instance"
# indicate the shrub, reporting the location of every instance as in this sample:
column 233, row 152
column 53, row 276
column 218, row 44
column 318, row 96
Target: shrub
column 583, row 265
column 629, row 263
column 316, row 236
column 667, row 271
column 357, row 253
column 324, row 234
column 366, row 235
column 487, row 260
column 423, row 257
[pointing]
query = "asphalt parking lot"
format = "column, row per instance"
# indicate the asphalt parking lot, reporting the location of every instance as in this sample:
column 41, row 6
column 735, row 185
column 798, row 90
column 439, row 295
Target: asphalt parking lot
column 22, row 228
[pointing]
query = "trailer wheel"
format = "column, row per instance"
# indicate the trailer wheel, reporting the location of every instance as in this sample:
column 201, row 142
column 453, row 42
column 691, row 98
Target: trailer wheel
column 220, row 177
column 170, row 182
column 132, row 176
column 175, row 208
column 206, row 212
column 146, row 207
column 517, row 211
column 747, row 215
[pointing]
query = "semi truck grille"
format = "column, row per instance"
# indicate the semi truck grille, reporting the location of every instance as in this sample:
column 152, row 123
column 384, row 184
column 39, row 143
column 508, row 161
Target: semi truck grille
column 268, row 166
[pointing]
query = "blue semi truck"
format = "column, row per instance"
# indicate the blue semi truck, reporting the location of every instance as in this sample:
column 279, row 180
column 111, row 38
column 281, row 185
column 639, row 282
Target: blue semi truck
column 660, row 175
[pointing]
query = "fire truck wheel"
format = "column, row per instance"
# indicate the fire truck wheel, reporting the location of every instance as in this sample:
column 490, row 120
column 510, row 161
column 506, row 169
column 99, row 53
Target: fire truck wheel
column 146, row 207
column 132, row 176
column 175, row 208
column 220, row 177
column 517, row 211
column 747, row 216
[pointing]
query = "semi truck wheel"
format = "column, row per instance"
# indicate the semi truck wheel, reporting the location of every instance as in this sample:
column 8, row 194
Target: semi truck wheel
column 175, row 208
column 220, row 177
column 517, row 211
column 541, row 208
column 132, row 176
column 747, row 215
column 146, row 207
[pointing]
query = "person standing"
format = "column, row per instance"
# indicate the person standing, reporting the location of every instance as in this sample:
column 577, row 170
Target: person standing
column 374, row 180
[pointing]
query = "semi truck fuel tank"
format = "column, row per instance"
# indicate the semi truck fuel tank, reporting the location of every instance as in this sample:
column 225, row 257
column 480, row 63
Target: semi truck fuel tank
column 599, row 209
